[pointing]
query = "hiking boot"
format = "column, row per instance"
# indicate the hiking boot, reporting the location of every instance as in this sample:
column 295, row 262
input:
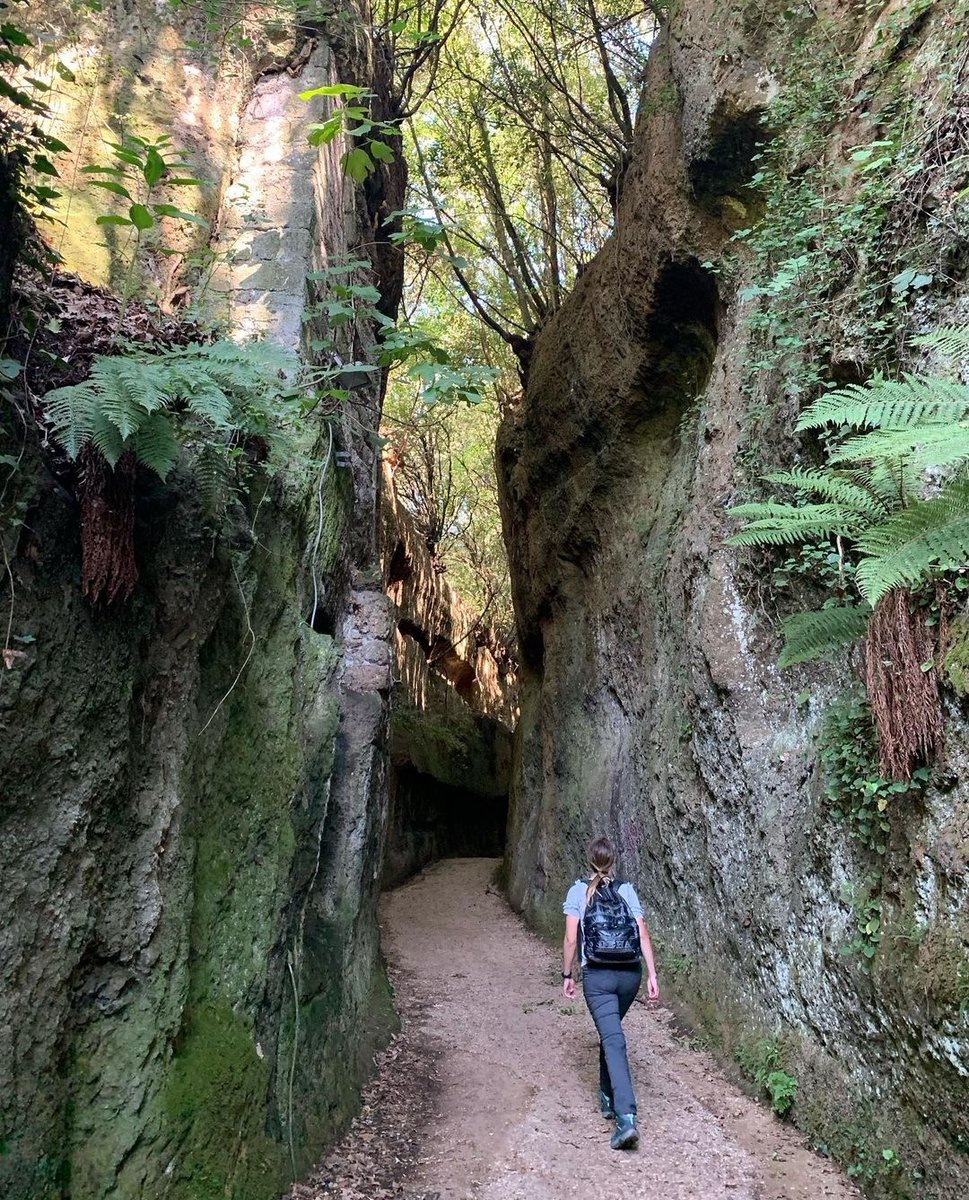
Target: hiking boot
column 626, row 1136
column 605, row 1105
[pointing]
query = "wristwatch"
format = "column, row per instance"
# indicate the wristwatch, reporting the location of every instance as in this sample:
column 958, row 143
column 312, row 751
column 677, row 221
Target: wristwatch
column 569, row 976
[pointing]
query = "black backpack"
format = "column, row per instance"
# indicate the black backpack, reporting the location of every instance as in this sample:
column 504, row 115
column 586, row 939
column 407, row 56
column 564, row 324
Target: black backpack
column 610, row 935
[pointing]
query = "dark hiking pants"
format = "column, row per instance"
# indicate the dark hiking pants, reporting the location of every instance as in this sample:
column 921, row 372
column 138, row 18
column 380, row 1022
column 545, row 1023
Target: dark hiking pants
column 609, row 992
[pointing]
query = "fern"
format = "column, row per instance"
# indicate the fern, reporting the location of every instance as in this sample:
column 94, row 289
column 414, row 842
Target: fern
column 943, row 445
column 812, row 635
column 841, row 488
column 202, row 394
column 868, row 490
column 136, row 402
column 889, row 403
column 156, row 444
column 214, row 476
column 106, row 437
column 951, row 340
column 925, row 536
column 71, row 411
column 772, row 524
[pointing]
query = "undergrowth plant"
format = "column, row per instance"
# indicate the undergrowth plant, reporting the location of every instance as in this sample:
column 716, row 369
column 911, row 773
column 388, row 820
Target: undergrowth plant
column 760, row 1061
column 149, row 405
column 223, row 403
column 28, row 146
column 143, row 170
column 367, row 136
column 864, row 507
column 858, row 793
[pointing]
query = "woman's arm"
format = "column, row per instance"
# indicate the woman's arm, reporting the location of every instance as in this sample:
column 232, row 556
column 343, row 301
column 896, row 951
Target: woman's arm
column 652, row 986
column 568, row 955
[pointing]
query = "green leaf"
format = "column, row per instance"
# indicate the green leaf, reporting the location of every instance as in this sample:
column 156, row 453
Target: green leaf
column 14, row 36
column 10, row 368
column 141, row 218
column 111, row 219
column 926, row 535
column 110, row 185
column 179, row 214
column 358, row 164
column 813, row 635
column 381, row 152
column 335, row 89
column 131, row 157
column 153, row 167
column 322, row 135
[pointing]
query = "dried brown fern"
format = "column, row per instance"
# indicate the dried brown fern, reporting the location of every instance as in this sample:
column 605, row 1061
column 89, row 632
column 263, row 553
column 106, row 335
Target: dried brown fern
column 903, row 690
column 107, row 498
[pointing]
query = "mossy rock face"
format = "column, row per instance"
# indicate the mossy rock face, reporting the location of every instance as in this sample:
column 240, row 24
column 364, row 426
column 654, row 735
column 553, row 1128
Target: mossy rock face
column 188, row 843
column 456, row 746
column 955, row 665
column 215, row 1104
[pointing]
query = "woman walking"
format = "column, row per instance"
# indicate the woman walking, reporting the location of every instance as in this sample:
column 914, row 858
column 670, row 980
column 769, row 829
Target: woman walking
column 613, row 945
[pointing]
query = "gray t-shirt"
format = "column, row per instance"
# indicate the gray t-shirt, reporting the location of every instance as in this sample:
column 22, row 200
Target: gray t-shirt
column 574, row 905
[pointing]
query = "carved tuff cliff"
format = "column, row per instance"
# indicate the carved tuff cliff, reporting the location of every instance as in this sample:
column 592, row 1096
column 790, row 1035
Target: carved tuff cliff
column 651, row 706
column 453, row 706
column 194, row 800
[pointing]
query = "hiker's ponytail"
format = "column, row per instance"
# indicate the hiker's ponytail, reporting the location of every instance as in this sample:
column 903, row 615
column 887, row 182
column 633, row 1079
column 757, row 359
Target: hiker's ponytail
column 602, row 856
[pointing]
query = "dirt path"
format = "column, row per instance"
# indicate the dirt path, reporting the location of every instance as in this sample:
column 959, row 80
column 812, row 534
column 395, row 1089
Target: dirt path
column 490, row 1092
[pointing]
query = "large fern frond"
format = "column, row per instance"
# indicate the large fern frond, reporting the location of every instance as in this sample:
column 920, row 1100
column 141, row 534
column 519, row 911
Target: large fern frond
column 156, row 444
column 215, row 477
column 927, row 535
column 943, row 445
column 214, row 382
column 812, row 635
column 195, row 387
column 106, row 437
column 268, row 357
column 71, row 411
column 839, row 488
column 772, row 524
column 950, row 340
column 129, row 391
column 889, row 403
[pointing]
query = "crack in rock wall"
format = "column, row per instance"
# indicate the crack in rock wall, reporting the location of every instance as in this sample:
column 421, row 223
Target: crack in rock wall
column 194, row 797
column 453, row 705
column 651, row 706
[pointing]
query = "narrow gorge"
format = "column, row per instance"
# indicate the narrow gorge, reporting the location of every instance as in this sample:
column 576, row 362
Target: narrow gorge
column 406, row 410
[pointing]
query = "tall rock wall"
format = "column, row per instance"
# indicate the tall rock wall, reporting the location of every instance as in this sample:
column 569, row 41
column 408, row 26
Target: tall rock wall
column 651, row 706
column 193, row 802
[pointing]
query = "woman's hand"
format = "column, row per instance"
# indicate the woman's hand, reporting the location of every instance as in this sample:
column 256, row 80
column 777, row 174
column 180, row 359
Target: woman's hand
column 568, row 989
column 652, row 987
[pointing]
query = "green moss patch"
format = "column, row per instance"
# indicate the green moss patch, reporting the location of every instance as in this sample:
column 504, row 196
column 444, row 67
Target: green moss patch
column 215, row 1104
column 955, row 666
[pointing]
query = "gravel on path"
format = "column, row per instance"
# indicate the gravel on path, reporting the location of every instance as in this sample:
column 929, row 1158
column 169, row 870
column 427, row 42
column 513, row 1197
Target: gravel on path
column 490, row 1090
